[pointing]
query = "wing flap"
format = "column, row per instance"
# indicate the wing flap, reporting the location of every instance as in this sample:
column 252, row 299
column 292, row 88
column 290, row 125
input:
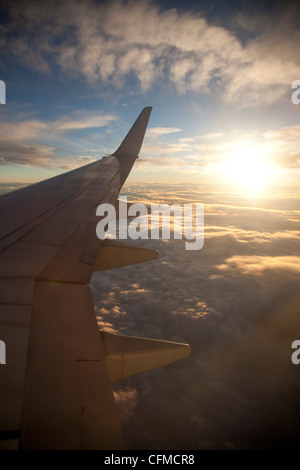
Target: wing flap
column 97, row 401
column 60, row 406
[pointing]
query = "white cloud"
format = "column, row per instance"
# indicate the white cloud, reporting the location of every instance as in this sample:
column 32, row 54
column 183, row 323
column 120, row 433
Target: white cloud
column 116, row 40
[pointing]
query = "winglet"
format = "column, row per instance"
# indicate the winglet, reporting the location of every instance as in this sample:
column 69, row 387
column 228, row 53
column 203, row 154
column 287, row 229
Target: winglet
column 129, row 149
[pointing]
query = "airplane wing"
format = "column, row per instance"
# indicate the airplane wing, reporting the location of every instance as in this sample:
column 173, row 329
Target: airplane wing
column 56, row 384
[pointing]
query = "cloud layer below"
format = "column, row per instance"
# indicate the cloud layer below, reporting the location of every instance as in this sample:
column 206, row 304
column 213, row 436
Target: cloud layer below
column 236, row 302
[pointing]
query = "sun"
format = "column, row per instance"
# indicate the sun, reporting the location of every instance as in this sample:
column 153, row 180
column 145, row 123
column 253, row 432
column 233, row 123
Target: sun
column 249, row 169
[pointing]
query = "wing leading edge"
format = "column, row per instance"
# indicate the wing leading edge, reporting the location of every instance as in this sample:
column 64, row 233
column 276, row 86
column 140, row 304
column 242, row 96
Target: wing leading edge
column 55, row 389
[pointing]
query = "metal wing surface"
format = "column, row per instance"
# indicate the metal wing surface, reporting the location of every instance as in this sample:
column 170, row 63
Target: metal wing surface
column 55, row 388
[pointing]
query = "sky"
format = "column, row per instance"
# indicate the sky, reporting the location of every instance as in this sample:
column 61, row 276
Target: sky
column 218, row 75
column 224, row 132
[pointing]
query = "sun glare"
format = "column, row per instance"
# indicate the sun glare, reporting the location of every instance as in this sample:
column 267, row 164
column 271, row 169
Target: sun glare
column 248, row 169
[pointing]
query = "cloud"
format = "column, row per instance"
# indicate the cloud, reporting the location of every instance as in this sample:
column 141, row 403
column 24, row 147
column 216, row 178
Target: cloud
column 33, row 128
column 114, row 42
column 155, row 132
column 289, row 161
column 126, row 399
column 236, row 303
column 8, row 187
column 26, row 142
column 271, row 66
column 257, row 265
column 82, row 122
column 278, row 148
column 285, row 140
column 37, row 142
column 284, row 133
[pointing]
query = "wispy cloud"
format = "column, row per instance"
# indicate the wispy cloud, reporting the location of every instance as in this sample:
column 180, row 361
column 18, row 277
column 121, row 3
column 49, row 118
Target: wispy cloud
column 26, row 142
column 278, row 147
column 155, row 132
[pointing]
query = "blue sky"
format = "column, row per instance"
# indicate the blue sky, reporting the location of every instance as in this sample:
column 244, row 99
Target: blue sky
column 218, row 76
